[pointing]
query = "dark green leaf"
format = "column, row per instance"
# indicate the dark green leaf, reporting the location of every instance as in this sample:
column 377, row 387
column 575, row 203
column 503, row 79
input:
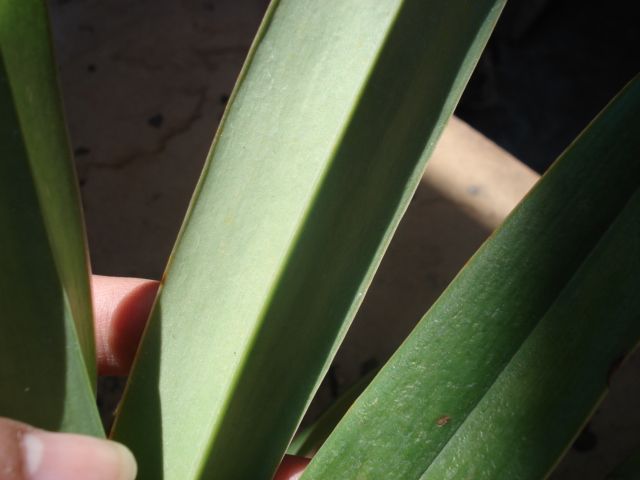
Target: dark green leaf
column 47, row 355
column 506, row 367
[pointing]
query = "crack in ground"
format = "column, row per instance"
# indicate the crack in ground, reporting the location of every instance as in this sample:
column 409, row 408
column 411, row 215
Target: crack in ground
column 160, row 146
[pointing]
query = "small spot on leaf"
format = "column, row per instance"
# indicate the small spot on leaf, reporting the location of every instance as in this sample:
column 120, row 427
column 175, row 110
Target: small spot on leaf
column 442, row 420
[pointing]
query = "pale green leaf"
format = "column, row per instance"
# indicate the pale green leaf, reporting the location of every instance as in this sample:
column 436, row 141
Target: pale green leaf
column 338, row 107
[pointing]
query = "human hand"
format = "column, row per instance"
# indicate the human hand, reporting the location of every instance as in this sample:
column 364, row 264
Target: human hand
column 121, row 307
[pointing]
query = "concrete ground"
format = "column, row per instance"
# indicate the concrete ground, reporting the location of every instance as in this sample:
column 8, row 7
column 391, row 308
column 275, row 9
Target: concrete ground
column 145, row 84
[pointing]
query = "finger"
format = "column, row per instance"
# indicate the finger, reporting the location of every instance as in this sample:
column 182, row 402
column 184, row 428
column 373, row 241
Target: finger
column 30, row 454
column 291, row 468
column 121, row 307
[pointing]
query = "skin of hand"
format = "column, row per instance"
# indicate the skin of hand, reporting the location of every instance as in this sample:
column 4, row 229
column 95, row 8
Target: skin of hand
column 121, row 307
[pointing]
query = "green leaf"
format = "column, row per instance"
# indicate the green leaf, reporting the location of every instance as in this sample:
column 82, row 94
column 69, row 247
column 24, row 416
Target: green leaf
column 47, row 353
column 338, row 107
column 313, row 436
column 506, row 367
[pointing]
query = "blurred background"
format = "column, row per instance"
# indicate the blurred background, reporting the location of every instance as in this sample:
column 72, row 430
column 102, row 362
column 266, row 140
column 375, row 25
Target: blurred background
column 145, row 84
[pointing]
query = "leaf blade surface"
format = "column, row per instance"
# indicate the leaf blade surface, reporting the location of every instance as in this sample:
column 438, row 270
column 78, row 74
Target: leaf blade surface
column 422, row 416
column 48, row 353
column 329, row 128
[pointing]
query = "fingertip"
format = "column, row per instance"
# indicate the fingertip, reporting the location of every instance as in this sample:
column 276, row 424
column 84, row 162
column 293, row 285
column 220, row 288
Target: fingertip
column 121, row 309
column 64, row 456
column 291, row 468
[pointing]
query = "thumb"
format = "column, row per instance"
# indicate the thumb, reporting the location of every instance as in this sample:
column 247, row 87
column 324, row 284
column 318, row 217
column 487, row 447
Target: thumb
column 27, row 453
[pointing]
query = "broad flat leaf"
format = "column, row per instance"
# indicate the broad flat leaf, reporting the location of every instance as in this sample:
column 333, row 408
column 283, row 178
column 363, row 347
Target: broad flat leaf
column 47, row 357
column 337, row 109
column 313, row 436
column 506, row 367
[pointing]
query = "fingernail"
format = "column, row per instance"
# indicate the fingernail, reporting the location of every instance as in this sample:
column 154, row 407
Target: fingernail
column 66, row 456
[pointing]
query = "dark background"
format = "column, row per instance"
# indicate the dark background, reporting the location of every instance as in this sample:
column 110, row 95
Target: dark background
column 548, row 70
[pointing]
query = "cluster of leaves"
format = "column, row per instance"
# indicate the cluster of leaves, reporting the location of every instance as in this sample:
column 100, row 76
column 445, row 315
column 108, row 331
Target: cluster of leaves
column 327, row 133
